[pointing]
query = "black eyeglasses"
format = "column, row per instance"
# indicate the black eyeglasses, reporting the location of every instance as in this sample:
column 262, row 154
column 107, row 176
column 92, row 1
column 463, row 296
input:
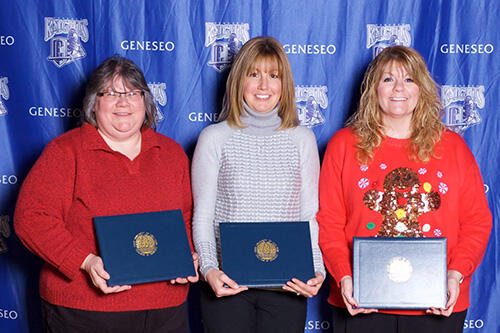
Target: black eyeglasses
column 113, row 96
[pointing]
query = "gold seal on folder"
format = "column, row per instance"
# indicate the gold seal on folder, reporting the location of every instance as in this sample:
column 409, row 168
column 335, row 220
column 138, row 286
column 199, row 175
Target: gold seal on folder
column 266, row 250
column 145, row 244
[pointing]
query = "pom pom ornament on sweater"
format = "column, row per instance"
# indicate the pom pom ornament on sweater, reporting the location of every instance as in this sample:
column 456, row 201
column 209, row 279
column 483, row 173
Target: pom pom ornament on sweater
column 401, row 203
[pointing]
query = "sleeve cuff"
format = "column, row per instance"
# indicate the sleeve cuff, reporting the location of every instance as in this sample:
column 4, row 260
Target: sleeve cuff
column 71, row 265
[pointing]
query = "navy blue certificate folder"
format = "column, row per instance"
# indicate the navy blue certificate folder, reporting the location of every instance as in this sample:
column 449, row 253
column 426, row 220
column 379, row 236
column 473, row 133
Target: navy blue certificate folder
column 145, row 247
column 400, row 273
column 266, row 254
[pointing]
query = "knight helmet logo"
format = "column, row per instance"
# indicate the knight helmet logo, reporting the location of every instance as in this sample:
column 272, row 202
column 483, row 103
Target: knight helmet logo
column 381, row 36
column 66, row 47
column 310, row 101
column 224, row 40
column 4, row 93
column 159, row 97
column 461, row 106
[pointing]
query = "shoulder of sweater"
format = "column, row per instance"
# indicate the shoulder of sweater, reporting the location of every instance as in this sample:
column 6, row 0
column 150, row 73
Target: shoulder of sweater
column 345, row 133
column 166, row 142
column 449, row 136
column 218, row 132
column 343, row 137
column 453, row 143
column 302, row 135
column 71, row 138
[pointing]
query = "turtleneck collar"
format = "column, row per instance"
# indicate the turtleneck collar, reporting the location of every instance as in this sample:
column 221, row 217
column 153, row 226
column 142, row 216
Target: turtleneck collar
column 260, row 124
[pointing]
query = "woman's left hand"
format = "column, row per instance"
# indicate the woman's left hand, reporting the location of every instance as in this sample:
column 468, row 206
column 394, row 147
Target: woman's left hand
column 454, row 279
column 192, row 279
column 309, row 289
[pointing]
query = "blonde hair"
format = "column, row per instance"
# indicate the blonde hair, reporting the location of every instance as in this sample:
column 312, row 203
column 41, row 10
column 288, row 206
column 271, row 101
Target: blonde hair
column 253, row 51
column 426, row 124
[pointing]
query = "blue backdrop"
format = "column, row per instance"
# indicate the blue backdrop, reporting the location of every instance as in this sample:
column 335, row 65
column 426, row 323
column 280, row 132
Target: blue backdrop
column 49, row 48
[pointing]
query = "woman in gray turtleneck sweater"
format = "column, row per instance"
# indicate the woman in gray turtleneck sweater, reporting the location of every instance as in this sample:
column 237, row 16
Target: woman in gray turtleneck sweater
column 256, row 165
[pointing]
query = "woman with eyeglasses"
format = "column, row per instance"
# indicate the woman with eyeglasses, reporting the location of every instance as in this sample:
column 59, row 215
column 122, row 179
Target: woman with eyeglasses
column 115, row 163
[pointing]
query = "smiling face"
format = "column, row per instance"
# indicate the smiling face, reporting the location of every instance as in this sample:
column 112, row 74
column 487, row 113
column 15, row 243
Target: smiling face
column 121, row 118
column 397, row 93
column 262, row 88
column 401, row 180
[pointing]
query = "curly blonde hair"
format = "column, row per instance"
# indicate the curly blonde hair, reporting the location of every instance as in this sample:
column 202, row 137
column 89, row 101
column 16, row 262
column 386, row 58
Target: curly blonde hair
column 426, row 124
column 253, row 51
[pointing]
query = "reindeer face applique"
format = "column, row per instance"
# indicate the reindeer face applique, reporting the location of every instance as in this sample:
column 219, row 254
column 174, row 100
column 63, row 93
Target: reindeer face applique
column 401, row 203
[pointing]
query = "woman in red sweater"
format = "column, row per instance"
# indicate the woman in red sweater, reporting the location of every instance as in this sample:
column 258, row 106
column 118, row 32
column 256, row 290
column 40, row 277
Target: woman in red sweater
column 115, row 163
column 397, row 133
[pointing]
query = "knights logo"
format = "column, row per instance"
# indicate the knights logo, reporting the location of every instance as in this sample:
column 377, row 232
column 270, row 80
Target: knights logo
column 224, row 40
column 461, row 106
column 381, row 36
column 310, row 102
column 159, row 97
column 65, row 38
column 145, row 244
column 4, row 94
column 4, row 232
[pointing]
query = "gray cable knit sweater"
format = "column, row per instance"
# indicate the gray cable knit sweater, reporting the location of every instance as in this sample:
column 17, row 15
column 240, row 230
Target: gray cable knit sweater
column 253, row 174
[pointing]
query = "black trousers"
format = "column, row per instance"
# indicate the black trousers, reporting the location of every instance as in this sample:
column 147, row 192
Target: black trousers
column 343, row 322
column 59, row 319
column 252, row 311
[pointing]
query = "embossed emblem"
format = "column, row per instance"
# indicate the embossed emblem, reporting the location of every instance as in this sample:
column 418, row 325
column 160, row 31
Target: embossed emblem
column 145, row 244
column 266, row 250
column 399, row 269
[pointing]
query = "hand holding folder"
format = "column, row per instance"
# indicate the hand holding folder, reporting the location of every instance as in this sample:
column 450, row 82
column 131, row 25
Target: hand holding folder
column 145, row 247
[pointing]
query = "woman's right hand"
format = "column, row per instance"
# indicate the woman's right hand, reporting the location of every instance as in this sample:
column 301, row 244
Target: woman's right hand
column 349, row 301
column 95, row 268
column 221, row 284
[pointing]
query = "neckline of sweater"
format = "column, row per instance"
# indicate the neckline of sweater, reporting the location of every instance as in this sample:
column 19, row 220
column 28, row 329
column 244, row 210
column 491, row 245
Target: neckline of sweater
column 260, row 123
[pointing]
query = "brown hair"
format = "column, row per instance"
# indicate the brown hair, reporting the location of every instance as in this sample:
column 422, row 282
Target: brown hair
column 254, row 50
column 426, row 123
column 108, row 71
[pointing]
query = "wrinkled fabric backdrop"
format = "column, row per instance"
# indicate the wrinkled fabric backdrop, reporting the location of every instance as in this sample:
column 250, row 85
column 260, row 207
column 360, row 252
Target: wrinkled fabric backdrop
column 49, row 48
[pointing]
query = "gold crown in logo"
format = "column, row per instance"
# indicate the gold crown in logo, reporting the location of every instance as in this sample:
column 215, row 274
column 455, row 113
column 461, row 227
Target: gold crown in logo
column 266, row 250
column 145, row 244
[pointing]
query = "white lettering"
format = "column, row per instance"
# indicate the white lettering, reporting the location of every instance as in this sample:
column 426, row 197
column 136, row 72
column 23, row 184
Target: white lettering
column 467, row 48
column 155, row 45
column 7, row 40
column 41, row 111
column 486, row 188
column 8, row 314
column 8, row 180
column 200, row 116
column 313, row 49
column 473, row 323
column 317, row 325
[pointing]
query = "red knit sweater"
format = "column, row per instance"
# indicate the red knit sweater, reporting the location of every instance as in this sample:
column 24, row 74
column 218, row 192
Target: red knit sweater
column 455, row 204
column 78, row 177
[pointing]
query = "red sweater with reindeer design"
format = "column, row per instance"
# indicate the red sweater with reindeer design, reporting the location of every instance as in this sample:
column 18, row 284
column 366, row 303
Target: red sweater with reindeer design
column 394, row 196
